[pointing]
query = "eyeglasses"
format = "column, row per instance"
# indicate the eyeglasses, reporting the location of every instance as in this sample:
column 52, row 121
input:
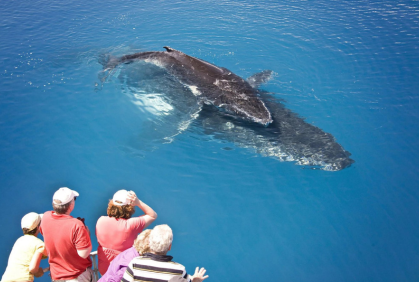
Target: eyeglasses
column 75, row 198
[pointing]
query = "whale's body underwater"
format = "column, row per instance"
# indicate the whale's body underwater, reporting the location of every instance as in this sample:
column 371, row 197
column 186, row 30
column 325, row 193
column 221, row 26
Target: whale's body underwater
column 233, row 109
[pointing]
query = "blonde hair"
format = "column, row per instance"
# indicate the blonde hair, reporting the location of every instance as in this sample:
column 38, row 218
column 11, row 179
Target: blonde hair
column 141, row 244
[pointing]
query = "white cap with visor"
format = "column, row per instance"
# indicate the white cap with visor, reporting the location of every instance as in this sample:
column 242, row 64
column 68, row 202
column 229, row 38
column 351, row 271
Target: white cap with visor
column 64, row 195
column 120, row 198
column 31, row 220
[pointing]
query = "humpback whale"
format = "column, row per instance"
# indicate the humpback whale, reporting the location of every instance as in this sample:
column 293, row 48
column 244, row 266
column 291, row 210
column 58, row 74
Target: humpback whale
column 231, row 109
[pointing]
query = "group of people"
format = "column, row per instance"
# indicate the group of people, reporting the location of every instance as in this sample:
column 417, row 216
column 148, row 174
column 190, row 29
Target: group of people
column 126, row 251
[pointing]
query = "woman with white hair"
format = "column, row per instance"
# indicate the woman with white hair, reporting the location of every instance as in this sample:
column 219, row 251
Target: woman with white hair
column 157, row 265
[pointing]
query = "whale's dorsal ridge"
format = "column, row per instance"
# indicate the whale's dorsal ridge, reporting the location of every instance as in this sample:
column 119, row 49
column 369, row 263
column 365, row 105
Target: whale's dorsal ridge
column 169, row 49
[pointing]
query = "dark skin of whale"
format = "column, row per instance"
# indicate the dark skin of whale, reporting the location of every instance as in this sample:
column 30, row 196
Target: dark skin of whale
column 288, row 138
column 214, row 85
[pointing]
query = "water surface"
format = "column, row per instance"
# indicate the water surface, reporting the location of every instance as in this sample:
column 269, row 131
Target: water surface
column 347, row 67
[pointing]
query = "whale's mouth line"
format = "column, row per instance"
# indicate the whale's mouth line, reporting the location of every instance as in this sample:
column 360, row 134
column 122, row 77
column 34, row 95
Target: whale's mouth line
column 261, row 121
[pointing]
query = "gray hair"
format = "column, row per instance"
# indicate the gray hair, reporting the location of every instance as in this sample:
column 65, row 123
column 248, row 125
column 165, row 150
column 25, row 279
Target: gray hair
column 60, row 209
column 161, row 238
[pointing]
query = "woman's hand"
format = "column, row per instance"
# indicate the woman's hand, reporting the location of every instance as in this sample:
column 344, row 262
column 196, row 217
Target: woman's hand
column 38, row 273
column 133, row 199
column 149, row 216
column 199, row 275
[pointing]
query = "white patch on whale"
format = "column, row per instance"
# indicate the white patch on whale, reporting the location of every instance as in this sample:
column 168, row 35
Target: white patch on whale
column 155, row 62
column 153, row 103
column 194, row 90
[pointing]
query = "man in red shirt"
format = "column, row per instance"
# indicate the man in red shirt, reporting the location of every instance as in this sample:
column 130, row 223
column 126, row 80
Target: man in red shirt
column 67, row 240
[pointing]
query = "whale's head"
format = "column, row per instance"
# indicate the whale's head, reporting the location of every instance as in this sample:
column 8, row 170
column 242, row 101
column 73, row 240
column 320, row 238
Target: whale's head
column 255, row 111
column 241, row 101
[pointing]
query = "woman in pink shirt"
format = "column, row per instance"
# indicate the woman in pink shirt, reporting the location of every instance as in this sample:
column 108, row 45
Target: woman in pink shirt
column 117, row 231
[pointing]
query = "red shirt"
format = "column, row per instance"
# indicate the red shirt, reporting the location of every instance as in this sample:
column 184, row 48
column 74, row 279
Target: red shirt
column 115, row 235
column 63, row 235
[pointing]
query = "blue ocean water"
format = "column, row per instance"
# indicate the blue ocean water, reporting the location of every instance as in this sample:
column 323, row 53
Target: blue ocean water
column 348, row 67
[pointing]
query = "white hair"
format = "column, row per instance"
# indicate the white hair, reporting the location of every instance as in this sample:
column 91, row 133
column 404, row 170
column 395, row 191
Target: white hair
column 161, row 238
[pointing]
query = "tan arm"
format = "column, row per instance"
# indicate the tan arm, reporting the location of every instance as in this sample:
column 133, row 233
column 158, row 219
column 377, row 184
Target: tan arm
column 84, row 253
column 150, row 214
column 34, row 264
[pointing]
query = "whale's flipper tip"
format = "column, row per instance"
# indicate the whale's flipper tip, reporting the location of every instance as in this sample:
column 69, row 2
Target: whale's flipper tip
column 259, row 78
column 108, row 61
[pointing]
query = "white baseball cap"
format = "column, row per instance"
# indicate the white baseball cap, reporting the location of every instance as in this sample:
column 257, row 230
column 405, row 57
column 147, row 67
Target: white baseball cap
column 31, row 220
column 120, row 198
column 64, row 195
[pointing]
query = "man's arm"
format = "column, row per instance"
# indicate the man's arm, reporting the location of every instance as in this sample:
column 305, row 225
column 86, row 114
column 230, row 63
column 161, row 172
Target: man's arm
column 84, row 253
column 84, row 238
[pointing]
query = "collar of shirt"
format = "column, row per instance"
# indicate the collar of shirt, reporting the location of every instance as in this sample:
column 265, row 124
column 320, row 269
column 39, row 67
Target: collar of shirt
column 158, row 257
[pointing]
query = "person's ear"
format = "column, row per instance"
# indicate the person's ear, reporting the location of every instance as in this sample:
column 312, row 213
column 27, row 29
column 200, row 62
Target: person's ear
column 170, row 247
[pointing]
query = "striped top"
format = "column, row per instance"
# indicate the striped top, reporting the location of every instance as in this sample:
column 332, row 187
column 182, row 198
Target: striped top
column 154, row 268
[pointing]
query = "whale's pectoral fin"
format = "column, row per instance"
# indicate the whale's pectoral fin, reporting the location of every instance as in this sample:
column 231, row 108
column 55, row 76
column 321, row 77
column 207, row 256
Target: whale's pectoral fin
column 259, row 78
